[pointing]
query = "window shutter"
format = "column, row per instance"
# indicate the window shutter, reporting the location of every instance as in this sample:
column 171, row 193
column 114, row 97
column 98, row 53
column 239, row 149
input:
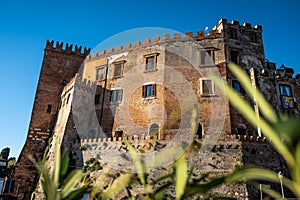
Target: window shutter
column 97, row 99
column 120, row 93
column 111, row 95
column 144, row 91
column 154, row 90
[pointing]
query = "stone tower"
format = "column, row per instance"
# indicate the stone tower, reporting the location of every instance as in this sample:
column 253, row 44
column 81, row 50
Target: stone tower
column 58, row 68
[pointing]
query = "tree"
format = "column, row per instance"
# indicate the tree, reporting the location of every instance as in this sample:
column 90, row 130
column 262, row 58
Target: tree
column 5, row 153
column 10, row 166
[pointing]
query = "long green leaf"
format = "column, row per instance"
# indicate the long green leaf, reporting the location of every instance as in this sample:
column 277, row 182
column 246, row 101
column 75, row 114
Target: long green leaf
column 78, row 193
column 57, row 161
column 70, row 182
column 118, row 185
column 194, row 189
column 246, row 110
column 159, row 193
column 296, row 172
column 47, row 183
column 265, row 190
column 255, row 95
column 249, row 174
column 64, row 164
column 140, row 167
column 181, row 176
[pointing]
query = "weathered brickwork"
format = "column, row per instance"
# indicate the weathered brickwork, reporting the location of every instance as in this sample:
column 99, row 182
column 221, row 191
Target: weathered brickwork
column 147, row 91
column 58, row 68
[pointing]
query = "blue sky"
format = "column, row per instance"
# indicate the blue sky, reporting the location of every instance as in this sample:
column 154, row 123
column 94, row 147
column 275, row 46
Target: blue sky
column 26, row 25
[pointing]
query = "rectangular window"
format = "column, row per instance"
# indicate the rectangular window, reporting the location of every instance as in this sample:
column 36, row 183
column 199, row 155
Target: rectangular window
column 116, row 95
column 207, row 57
column 149, row 90
column 49, row 108
column 97, row 99
column 118, row 70
column 233, row 33
column 285, row 90
column 100, row 73
column 207, row 87
column 237, row 87
column 235, row 56
column 150, row 62
column 253, row 37
column 150, row 65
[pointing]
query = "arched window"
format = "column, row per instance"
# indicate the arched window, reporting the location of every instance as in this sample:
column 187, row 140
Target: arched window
column 154, row 129
column 118, row 134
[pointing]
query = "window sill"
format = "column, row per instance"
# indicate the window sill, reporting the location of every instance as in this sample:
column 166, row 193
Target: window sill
column 208, row 65
column 148, row 98
column 208, row 95
column 150, row 70
column 115, row 103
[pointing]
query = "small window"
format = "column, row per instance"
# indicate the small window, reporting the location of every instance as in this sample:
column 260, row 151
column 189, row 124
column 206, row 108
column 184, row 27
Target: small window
column 150, row 62
column 68, row 99
column 207, row 57
column 285, row 90
column 64, row 82
column 68, row 63
column 149, row 90
column 199, row 131
column 99, row 73
column 235, row 56
column 118, row 70
column 116, row 95
column 207, row 87
column 253, row 37
column 233, row 33
column 49, row 108
column 154, row 129
column 237, row 87
column 118, row 134
column 97, row 99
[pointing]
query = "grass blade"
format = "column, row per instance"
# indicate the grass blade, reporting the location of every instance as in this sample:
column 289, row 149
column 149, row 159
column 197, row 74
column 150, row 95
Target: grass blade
column 255, row 95
column 180, row 176
column 70, row 182
column 118, row 185
column 250, row 174
column 136, row 157
column 64, row 164
column 247, row 111
column 57, row 161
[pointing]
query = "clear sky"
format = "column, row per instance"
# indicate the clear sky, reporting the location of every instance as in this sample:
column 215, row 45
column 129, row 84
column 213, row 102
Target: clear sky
column 25, row 26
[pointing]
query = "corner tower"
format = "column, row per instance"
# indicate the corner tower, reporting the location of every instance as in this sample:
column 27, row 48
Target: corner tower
column 58, row 67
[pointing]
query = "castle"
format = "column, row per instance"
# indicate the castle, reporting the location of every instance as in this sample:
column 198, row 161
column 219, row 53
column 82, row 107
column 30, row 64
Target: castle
column 147, row 92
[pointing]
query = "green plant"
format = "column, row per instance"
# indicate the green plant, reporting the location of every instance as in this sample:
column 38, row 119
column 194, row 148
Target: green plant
column 280, row 129
column 58, row 185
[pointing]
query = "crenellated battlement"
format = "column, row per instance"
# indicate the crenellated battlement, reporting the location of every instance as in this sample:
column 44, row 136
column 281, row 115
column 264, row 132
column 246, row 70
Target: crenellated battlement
column 215, row 33
column 235, row 23
column 77, row 50
column 145, row 138
column 120, row 139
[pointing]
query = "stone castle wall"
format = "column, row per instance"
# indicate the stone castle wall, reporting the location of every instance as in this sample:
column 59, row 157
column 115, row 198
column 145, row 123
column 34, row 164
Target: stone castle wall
column 86, row 125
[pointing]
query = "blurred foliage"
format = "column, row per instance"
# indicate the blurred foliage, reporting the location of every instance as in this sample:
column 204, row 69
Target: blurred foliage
column 283, row 131
column 4, row 153
column 11, row 161
column 58, row 185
